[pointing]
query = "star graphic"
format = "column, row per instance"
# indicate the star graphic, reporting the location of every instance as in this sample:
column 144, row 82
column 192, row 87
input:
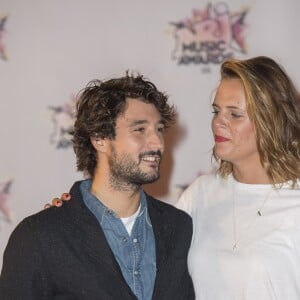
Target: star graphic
column 63, row 117
column 238, row 26
column 3, row 53
column 4, row 198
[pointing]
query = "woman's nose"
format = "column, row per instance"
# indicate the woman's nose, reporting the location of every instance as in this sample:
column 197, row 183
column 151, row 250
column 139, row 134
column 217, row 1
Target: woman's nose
column 219, row 120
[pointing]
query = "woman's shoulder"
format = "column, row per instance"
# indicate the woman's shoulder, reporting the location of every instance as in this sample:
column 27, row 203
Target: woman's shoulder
column 201, row 192
column 196, row 193
column 204, row 182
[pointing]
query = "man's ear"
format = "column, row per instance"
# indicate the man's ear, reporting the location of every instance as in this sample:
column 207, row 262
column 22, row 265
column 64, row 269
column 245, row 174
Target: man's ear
column 99, row 144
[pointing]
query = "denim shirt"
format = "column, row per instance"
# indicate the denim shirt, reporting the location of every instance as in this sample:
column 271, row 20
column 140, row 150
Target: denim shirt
column 134, row 253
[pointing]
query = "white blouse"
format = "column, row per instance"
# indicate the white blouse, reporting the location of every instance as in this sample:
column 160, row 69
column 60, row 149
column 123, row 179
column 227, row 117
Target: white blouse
column 246, row 240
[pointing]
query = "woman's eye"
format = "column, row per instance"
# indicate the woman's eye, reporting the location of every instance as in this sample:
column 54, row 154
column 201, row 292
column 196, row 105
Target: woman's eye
column 236, row 116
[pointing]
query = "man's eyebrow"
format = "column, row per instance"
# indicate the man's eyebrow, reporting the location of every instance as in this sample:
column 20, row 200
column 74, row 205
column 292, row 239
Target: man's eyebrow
column 140, row 122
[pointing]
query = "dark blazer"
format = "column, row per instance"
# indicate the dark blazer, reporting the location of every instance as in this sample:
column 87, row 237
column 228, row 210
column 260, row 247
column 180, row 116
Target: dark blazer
column 62, row 253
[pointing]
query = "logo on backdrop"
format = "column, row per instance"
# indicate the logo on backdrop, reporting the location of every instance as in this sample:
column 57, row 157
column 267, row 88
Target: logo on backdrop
column 5, row 211
column 62, row 117
column 3, row 54
column 209, row 36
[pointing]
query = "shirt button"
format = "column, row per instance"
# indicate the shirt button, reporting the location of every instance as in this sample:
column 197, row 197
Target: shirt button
column 135, row 240
column 136, row 272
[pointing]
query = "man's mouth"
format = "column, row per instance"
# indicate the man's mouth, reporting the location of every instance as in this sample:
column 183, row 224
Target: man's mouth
column 151, row 157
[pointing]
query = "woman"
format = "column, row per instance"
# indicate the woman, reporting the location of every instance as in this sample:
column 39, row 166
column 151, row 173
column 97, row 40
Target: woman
column 246, row 218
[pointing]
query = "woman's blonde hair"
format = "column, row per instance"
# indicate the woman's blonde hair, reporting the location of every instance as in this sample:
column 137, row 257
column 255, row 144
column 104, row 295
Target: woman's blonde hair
column 273, row 105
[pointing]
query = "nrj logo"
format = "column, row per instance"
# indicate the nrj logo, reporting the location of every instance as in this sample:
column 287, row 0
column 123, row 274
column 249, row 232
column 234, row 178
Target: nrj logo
column 3, row 54
column 6, row 213
column 209, row 36
column 63, row 117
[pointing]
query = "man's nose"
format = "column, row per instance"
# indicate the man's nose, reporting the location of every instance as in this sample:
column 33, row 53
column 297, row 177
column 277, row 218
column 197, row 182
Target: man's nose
column 156, row 141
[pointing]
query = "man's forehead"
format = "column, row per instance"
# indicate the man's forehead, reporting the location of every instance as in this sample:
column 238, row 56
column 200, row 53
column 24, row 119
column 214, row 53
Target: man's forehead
column 133, row 102
column 137, row 108
column 137, row 117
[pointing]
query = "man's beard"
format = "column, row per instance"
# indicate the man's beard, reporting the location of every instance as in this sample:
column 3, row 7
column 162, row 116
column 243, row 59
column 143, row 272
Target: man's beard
column 126, row 174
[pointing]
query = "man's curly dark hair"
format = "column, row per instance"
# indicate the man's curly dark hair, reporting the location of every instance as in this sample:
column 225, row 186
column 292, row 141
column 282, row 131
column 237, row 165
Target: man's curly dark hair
column 98, row 107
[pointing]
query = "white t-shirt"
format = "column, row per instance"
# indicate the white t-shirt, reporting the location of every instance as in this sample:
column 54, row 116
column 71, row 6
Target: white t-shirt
column 266, row 261
column 129, row 221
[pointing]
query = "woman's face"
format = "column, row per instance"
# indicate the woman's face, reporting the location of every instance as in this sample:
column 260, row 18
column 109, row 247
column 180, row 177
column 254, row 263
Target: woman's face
column 233, row 130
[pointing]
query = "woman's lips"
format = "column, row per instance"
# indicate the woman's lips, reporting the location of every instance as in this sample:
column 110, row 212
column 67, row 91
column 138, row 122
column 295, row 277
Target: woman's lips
column 220, row 139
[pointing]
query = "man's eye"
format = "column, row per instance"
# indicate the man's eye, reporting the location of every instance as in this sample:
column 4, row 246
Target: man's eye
column 140, row 129
column 161, row 129
column 215, row 112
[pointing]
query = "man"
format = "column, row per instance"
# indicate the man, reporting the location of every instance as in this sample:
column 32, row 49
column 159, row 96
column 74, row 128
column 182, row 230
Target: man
column 112, row 241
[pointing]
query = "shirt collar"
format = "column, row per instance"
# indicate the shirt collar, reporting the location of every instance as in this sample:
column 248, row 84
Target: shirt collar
column 97, row 207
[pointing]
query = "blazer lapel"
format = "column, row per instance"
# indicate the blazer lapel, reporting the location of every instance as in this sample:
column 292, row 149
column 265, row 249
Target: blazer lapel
column 163, row 233
column 89, row 235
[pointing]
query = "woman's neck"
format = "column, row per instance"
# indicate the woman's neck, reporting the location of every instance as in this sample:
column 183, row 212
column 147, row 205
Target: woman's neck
column 250, row 175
